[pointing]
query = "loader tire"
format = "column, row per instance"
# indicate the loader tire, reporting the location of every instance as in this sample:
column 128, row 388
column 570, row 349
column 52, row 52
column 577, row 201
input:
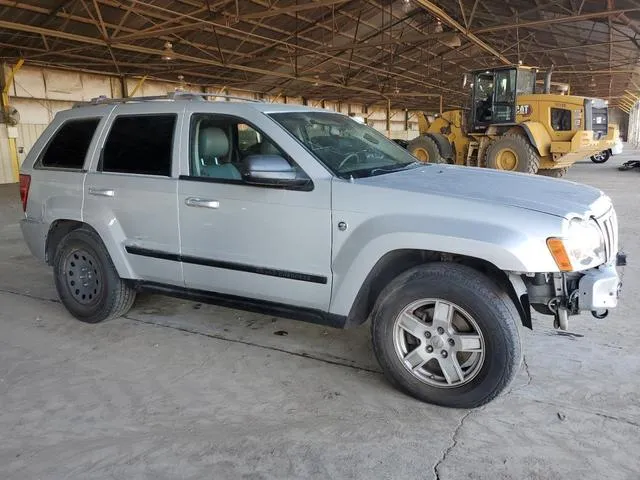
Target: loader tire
column 553, row 172
column 425, row 149
column 513, row 153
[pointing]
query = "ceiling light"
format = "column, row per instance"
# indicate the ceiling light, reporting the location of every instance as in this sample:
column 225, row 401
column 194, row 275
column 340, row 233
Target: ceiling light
column 438, row 28
column 451, row 39
column 168, row 53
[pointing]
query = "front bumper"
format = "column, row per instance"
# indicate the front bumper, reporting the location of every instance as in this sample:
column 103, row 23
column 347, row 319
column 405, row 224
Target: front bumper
column 599, row 289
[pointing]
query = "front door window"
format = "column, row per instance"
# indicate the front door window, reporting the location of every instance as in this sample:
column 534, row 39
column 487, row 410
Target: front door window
column 484, row 98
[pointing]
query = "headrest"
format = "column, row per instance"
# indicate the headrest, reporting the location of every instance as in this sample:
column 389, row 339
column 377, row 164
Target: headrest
column 213, row 142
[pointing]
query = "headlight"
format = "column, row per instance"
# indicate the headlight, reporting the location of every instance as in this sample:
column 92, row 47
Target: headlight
column 582, row 247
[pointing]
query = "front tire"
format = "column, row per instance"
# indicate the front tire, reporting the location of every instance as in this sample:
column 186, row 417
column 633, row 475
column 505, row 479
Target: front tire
column 425, row 149
column 446, row 334
column 86, row 280
column 513, row 153
column 553, row 172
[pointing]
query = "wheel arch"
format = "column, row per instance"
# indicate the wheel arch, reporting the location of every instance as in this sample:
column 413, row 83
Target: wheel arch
column 62, row 227
column 444, row 146
column 396, row 262
column 536, row 134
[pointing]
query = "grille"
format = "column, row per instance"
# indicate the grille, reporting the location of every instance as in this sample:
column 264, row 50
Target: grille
column 609, row 225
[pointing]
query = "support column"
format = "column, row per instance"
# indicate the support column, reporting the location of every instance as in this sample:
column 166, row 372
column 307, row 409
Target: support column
column 13, row 150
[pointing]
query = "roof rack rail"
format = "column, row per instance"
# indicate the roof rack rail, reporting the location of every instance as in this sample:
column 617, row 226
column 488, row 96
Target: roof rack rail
column 200, row 96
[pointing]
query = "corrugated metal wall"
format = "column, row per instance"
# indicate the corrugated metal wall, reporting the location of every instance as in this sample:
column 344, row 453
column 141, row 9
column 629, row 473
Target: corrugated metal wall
column 28, row 133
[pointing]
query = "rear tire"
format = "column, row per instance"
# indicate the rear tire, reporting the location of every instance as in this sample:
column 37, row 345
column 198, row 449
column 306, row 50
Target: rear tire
column 425, row 149
column 86, row 280
column 481, row 344
column 553, row 172
column 601, row 157
column 513, row 153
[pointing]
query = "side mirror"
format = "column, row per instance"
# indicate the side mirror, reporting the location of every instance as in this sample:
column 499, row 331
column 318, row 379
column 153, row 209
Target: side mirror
column 272, row 170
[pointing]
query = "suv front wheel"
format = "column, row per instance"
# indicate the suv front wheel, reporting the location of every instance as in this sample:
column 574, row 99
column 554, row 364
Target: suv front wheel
column 447, row 335
column 86, row 280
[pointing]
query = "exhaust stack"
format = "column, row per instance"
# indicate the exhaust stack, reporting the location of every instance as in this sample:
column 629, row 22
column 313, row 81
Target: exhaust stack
column 547, row 81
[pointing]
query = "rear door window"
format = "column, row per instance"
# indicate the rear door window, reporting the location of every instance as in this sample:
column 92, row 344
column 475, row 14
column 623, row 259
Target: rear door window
column 140, row 144
column 68, row 147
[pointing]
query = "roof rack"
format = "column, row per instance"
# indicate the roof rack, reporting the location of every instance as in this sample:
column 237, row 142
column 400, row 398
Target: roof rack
column 198, row 96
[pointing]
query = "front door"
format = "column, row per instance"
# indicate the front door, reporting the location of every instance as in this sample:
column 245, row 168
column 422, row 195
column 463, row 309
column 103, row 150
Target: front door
column 268, row 243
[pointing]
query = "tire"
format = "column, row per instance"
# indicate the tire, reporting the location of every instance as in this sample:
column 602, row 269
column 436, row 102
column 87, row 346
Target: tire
column 553, row 172
column 472, row 294
column 90, row 296
column 601, row 157
column 513, row 153
column 425, row 149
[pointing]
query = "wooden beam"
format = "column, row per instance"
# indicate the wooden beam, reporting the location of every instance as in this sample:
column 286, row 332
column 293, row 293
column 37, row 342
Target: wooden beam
column 550, row 21
column 439, row 13
column 156, row 52
column 285, row 10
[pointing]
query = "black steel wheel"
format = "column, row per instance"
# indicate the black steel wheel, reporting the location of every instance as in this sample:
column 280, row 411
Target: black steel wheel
column 86, row 280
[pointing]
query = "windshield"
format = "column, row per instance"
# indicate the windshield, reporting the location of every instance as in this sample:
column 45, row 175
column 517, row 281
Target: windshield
column 348, row 148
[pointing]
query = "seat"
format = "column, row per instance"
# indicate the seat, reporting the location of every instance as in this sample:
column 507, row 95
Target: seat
column 268, row 148
column 213, row 147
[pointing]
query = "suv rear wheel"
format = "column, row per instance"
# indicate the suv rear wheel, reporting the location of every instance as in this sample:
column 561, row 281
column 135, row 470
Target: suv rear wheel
column 86, row 280
column 446, row 334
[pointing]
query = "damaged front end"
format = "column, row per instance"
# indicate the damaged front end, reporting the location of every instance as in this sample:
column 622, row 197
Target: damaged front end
column 565, row 294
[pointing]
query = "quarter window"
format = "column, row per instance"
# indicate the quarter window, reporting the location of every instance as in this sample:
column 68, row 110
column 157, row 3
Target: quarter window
column 68, row 148
column 561, row 119
column 140, row 144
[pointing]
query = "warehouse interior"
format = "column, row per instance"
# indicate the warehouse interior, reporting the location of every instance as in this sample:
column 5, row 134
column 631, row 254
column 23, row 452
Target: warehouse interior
column 181, row 389
column 381, row 61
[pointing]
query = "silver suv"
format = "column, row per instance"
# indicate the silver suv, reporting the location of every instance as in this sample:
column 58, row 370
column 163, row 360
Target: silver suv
column 308, row 214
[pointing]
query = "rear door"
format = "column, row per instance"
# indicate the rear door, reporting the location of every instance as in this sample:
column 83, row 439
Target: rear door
column 132, row 188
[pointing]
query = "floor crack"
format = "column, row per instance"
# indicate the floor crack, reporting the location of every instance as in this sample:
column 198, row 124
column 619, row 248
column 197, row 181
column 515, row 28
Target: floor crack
column 252, row 344
column 28, row 295
column 526, row 369
column 454, row 443
column 222, row 337
column 588, row 411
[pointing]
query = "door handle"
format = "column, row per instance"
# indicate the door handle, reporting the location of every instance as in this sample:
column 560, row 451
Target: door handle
column 102, row 192
column 201, row 202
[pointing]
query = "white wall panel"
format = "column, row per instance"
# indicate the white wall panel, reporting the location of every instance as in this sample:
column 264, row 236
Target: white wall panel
column 61, row 85
column 27, row 136
column 29, row 82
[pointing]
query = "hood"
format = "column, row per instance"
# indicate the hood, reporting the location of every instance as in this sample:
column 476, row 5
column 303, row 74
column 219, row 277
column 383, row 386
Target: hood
column 532, row 192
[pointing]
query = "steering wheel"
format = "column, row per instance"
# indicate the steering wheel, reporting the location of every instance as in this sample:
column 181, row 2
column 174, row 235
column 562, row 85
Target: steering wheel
column 348, row 158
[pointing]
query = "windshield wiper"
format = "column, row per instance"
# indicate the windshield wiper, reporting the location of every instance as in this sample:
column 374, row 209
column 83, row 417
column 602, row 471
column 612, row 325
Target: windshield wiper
column 393, row 168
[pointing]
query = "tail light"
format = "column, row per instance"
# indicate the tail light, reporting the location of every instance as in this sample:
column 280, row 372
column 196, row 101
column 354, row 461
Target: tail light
column 25, row 183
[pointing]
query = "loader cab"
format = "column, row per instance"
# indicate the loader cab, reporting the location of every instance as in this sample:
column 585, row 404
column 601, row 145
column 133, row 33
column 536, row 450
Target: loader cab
column 494, row 95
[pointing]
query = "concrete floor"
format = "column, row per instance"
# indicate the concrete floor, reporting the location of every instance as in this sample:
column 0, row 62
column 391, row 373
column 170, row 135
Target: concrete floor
column 183, row 390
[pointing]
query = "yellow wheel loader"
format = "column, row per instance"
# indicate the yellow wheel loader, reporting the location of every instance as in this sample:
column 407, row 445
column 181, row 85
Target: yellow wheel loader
column 510, row 127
